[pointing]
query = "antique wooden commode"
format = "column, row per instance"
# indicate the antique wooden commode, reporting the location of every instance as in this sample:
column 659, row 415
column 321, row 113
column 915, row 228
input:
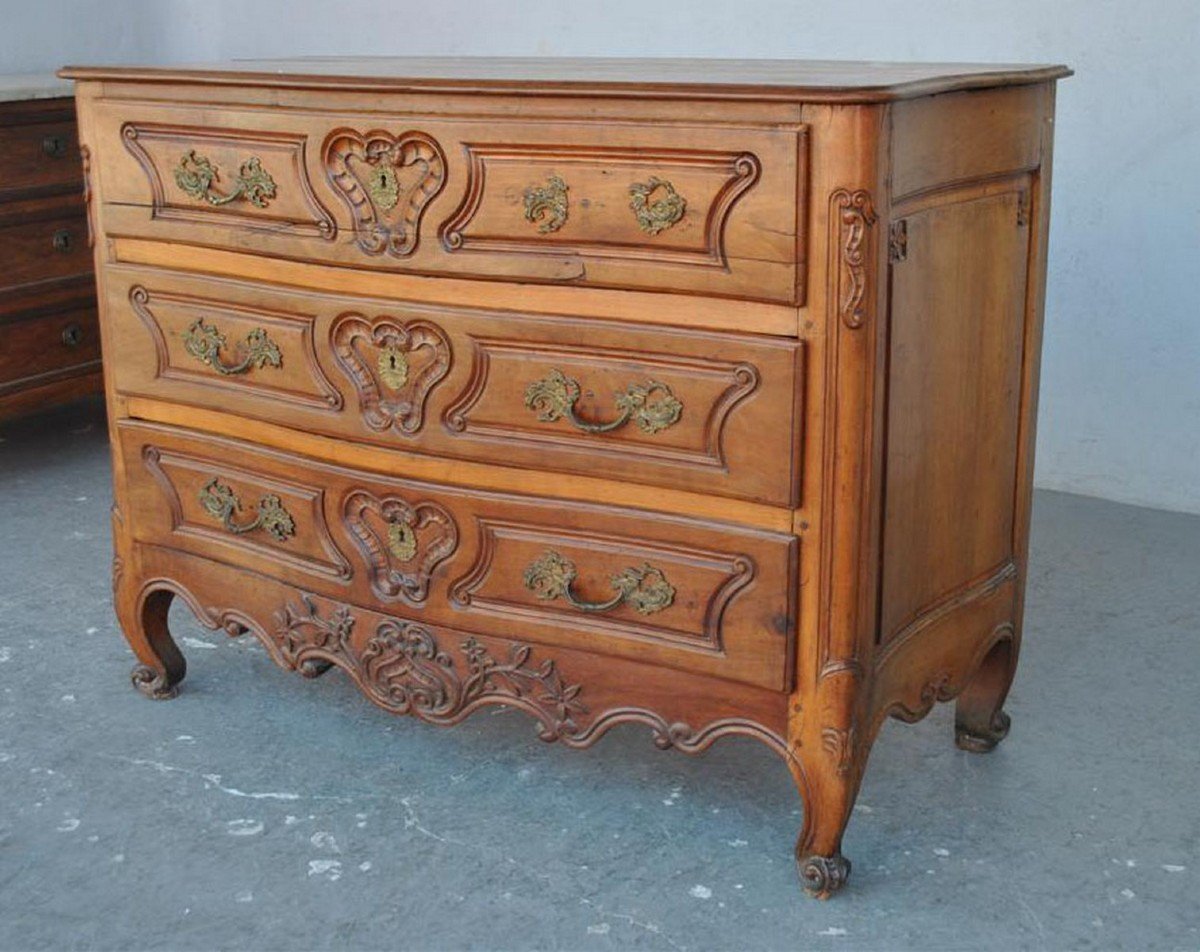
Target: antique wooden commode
column 693, row 394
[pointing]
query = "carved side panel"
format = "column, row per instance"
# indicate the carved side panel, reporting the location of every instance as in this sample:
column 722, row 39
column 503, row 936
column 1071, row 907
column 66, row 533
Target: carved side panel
column 401, row 542
column 852, row 218
column 228, row 176
column 602, row 202
column 386, row 182
column 672, row 594
column 393, row 366
column 292, row 376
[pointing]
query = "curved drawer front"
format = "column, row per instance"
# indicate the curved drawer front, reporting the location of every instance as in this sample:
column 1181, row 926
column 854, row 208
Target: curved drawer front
column 700, row 411
column 698, row 596
column 708, row 209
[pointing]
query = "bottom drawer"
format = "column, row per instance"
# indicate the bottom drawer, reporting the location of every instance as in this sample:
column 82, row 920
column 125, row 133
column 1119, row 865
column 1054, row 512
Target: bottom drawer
column 38, row 349
column 711, row 598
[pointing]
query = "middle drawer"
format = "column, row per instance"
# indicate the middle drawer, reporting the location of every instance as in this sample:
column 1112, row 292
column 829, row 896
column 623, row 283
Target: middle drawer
column 696, row 410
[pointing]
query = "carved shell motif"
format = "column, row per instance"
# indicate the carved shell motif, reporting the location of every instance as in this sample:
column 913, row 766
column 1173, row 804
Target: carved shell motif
column 386, row 182
column 401, row 542
column 393, row 366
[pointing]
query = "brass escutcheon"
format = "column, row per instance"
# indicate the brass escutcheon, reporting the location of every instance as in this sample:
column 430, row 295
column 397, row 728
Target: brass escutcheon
column 663, row 212
column 546, row 206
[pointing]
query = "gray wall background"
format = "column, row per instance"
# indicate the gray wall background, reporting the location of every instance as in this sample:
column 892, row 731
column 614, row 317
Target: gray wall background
column 1120, row 410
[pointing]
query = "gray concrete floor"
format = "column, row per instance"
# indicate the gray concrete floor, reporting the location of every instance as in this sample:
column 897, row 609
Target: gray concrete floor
column 263, row 811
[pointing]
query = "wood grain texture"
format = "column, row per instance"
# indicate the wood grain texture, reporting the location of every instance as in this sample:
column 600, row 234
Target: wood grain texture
column 516, row 428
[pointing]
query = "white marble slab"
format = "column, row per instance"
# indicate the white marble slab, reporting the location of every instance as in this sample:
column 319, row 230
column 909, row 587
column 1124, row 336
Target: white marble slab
column 18, row 86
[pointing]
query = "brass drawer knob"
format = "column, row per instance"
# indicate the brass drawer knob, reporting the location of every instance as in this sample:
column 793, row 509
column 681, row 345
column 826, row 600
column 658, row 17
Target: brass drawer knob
column 62, row 240
column 195, row 174
column 72, row 335
column 646, row 590
column 221, row 502
column 54, row 146
column 651, row 405
column 546, row 205
column 204, row 342
column 660, row 214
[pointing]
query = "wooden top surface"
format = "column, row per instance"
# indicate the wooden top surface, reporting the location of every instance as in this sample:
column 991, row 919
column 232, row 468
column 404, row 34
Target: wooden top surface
column 814, row 80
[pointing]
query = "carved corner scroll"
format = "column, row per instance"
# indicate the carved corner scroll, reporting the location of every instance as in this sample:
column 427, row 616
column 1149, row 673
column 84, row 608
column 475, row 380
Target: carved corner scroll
column 393, row 366
column 386, row 182
column 851, row 220
column 401, row 542
column 181, row 156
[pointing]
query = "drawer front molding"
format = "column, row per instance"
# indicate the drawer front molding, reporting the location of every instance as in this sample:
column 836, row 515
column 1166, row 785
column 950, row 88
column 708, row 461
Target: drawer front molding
column 276, row 359
column 616, row 234
column 386, row 182
column 204, row 497
column 400, row 542
column 253, row 196
column 393, row 365
column 687, row 612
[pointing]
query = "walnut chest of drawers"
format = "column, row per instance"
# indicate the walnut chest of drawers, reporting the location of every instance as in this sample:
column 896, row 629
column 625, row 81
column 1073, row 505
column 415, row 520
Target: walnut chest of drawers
column 693, row 394
column 49, row 338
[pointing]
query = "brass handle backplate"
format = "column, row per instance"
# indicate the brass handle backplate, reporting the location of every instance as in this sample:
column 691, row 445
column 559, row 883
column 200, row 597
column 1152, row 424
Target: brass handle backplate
column 54, row 146
column 195, row 174
column 204, row 342
column 61, row 240
column 546, row 205
column 646, row 590
column 650, row 405
column 221, row 502
column 660, row 214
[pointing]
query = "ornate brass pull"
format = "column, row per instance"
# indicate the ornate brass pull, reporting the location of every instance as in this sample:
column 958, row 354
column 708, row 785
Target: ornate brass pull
column 195, row 175
column 650, row 405
column 221, row 502
column 204, row 342
column 663, row 212
column 546, row 206
column 646, row 590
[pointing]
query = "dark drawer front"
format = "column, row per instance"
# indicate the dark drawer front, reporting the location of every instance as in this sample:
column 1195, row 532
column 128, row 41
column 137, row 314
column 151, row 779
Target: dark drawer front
column 42, row 348
column 42, row 244
column 39, row 156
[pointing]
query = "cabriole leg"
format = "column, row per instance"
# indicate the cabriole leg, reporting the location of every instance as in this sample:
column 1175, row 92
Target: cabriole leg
column 979, row 719
column 828, row 786
column 161, row 666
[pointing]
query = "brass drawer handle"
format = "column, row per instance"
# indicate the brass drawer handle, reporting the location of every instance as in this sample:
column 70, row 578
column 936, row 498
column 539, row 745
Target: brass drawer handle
column 204, row 342
column 54, row 146
column 650, row 405
column 646, row 590
column 663, row 212
column 195, row 174
column 61, row 240
column 221, row 502
column 546, row 206
column 72, row 335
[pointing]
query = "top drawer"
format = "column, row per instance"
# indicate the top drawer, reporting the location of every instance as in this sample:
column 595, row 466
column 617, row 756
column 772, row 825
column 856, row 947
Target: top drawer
column 706, row 209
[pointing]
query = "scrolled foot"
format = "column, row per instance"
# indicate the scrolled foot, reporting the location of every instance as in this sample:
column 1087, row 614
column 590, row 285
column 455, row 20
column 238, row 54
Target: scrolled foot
column 981, row 741
column 823, row 875
column 156, row 685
